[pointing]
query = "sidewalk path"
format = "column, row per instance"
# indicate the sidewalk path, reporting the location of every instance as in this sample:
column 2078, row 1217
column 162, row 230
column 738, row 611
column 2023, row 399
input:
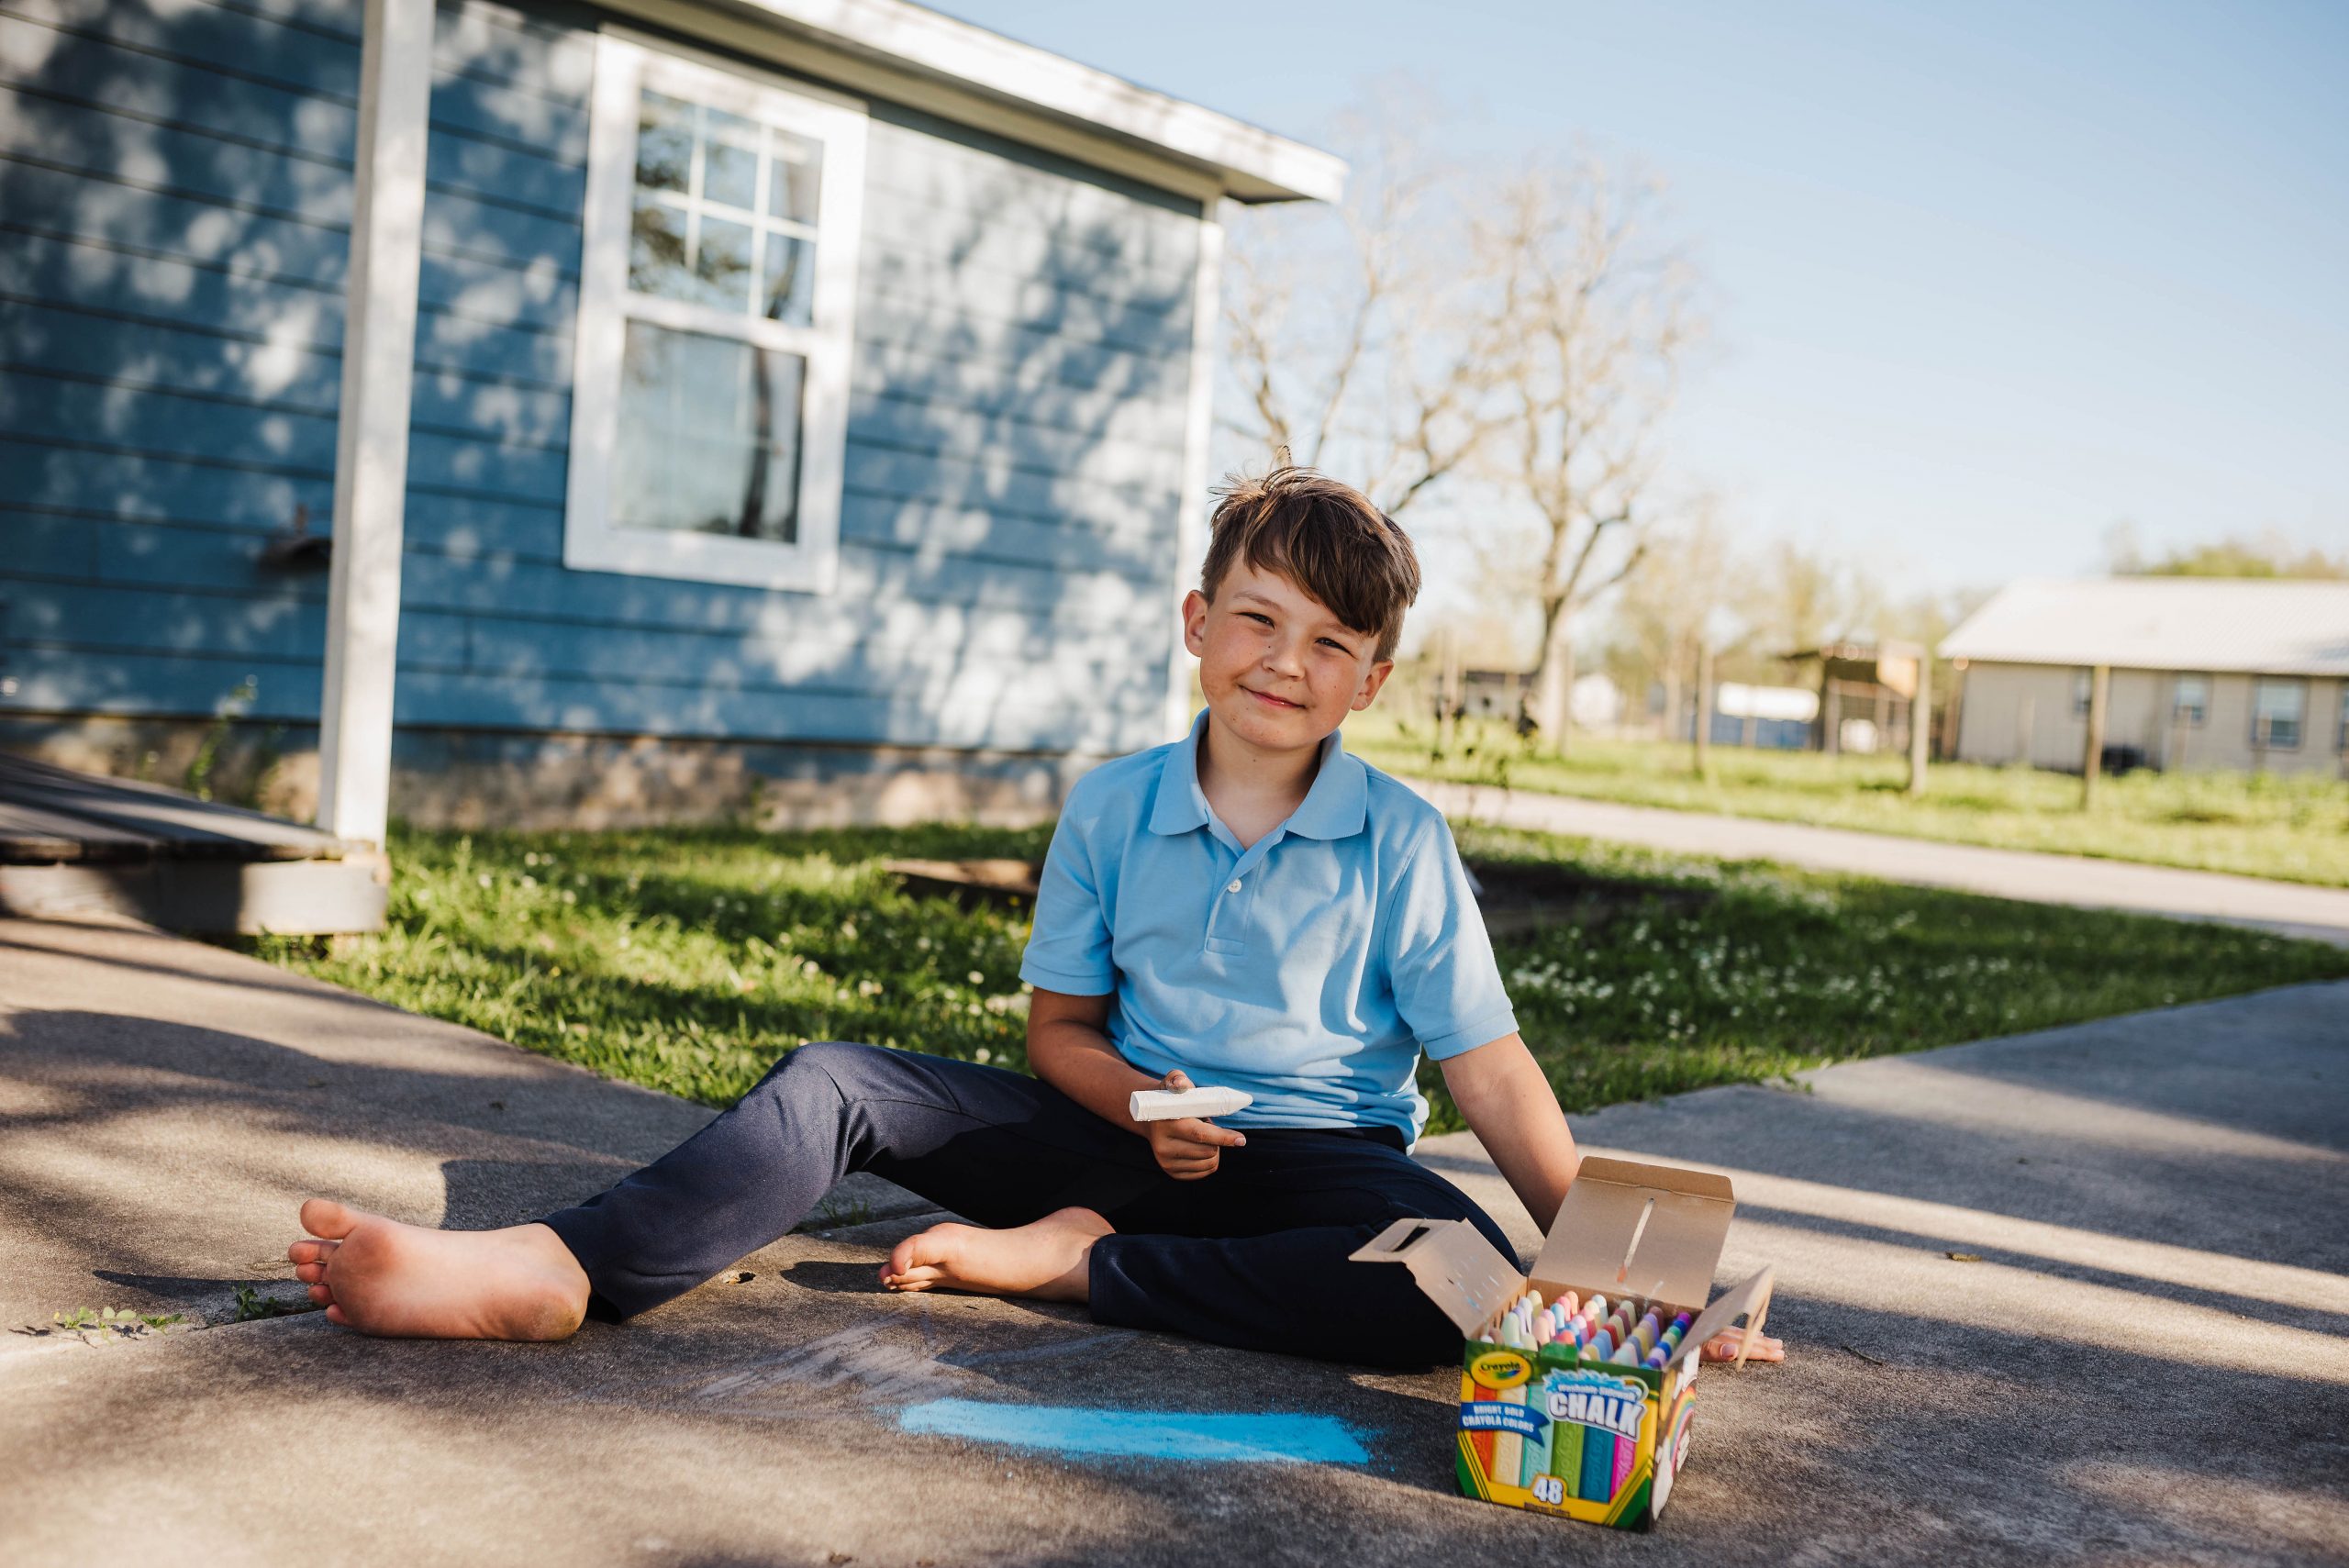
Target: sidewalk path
column 2293, row 909
column 2144, row 1359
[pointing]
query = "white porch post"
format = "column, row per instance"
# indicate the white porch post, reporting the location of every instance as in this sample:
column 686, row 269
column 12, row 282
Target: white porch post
column 1190, row 528
column 371, row 441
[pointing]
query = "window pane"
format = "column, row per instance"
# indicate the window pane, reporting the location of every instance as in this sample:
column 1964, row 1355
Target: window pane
column 730, row 169
column 789, row 289
column 715, row 194
column 722, row 263
column 2275, row 709
column 792, row 176
column 656, row 250
column 2192, row 702
column 2279, row 699
column 708, row 437
column 664, row 143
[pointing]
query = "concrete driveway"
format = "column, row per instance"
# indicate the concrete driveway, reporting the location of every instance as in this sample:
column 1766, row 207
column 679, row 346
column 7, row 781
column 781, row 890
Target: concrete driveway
column 2137, row 1356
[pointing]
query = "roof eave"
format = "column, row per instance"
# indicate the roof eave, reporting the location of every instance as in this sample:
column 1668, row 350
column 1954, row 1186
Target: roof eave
column 1242, row 162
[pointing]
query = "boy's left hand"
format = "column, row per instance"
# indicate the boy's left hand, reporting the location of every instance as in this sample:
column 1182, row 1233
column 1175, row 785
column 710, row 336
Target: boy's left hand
column 1189, row 1148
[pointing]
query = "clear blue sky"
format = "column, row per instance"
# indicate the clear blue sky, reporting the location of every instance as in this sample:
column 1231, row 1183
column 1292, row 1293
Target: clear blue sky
column 1989, row 277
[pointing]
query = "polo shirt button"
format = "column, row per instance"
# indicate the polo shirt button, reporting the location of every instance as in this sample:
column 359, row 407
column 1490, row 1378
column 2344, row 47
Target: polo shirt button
column 1232, row 887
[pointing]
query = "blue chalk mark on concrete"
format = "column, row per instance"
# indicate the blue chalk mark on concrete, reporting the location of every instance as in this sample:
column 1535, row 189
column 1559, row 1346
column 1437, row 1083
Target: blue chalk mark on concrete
column 1159, row 1434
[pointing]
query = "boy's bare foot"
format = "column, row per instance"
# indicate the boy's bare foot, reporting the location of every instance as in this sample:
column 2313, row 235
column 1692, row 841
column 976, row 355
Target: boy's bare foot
column 380, row 1276
column 1046, row 1260
column 1723, row 1347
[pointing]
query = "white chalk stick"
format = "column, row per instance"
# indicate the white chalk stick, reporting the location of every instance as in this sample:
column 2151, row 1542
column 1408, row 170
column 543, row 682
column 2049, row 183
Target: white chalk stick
column 1166, row 1105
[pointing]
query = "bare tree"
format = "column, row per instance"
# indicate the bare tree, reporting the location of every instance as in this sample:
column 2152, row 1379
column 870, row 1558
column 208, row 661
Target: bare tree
column 1361, row 339
column 1800, row 597
column 1686, row 579
column 1598, row 313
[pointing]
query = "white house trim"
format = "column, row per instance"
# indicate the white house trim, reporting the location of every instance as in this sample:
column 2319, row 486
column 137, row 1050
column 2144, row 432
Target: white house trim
column 590, row 540
column 908, row 54
column 370, row 436
column 1198, row 430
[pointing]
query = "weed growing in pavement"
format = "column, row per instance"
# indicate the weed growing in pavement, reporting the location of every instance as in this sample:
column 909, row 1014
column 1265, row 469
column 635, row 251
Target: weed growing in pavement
column 252, row 1305
column 109, row 1325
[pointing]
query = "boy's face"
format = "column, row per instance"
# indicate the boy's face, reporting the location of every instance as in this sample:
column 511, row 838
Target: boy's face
column 1279, row 671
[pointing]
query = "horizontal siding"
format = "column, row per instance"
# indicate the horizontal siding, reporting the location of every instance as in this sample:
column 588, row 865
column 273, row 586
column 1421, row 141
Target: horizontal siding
column 174, row 196
column 970, row 707
column 314, row 54
column 897, row 599
column 138, row 488
column 772, row 658
column 66, row 341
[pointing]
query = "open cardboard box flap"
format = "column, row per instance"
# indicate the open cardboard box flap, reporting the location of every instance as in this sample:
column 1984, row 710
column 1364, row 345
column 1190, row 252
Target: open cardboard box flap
column 1454, row 1266
column 1632, row 1229
column 1625, row 1229
column 1748, row 1299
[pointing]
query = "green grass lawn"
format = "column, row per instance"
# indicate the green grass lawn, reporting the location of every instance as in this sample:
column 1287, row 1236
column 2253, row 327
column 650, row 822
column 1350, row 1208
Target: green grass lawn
column 2294, row 827
column 688, row 960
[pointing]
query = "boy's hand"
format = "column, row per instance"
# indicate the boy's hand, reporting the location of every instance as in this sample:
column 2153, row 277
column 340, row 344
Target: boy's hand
column 1189, row 1148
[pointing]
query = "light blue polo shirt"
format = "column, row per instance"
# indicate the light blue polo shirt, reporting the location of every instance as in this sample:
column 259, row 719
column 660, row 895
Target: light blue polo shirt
column 1311, row 969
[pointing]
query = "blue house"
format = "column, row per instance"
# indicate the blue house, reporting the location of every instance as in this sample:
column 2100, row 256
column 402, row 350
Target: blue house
column 550, row 412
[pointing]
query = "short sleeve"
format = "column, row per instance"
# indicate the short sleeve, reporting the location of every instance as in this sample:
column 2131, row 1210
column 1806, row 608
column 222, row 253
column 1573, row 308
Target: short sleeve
column 1068, row 949
column 1440, row 962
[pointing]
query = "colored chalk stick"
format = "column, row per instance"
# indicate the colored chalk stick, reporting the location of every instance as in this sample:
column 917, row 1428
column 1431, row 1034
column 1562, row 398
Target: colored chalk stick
column 1627, row 1453
column 1537, row 1447
column 1483, row 1442
column 1566, row 1456
column 1597, row 1479
column 1508, row 1449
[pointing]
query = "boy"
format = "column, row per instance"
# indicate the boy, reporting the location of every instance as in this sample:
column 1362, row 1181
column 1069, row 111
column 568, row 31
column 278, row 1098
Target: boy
column 1250, row 907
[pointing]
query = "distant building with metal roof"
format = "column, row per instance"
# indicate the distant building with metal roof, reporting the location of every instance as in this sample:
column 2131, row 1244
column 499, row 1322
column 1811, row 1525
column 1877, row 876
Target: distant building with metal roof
column 2205, row 672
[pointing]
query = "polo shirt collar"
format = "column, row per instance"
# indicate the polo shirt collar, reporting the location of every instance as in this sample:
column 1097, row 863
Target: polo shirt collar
column 1337, row 805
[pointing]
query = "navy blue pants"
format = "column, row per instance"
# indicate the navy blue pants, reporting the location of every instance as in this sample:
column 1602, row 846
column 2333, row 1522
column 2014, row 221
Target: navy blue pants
column 1253, row 1256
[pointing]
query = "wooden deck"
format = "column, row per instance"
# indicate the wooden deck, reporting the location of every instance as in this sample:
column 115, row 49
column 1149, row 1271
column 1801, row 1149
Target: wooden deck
column 74, row 844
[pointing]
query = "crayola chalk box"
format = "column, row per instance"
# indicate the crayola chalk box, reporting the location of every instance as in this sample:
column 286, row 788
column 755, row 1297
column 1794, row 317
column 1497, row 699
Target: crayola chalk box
column 1546, row 1427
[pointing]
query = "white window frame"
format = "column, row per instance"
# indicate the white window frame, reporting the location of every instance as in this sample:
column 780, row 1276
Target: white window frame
column 2262, row 725
column 591, row 541
column 2178, row 707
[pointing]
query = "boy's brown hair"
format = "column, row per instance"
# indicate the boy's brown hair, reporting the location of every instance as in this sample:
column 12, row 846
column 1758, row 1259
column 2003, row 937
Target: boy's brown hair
column 1324, row 535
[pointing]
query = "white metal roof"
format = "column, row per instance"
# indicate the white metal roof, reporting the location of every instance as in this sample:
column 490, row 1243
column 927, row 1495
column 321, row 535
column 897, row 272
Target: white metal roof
column 2290, row 628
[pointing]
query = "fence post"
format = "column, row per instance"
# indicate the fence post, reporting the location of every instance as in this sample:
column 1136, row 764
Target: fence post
column 2099, row 684
column 1920, row 723
column 1704, row 730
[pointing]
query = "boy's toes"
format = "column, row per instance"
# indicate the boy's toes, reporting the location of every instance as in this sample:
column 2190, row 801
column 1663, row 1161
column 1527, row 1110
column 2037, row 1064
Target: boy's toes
column 310, row 1250
column 322, row 1295
column 1724, row 1346
column 310, row 1274
column 324, row 1216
